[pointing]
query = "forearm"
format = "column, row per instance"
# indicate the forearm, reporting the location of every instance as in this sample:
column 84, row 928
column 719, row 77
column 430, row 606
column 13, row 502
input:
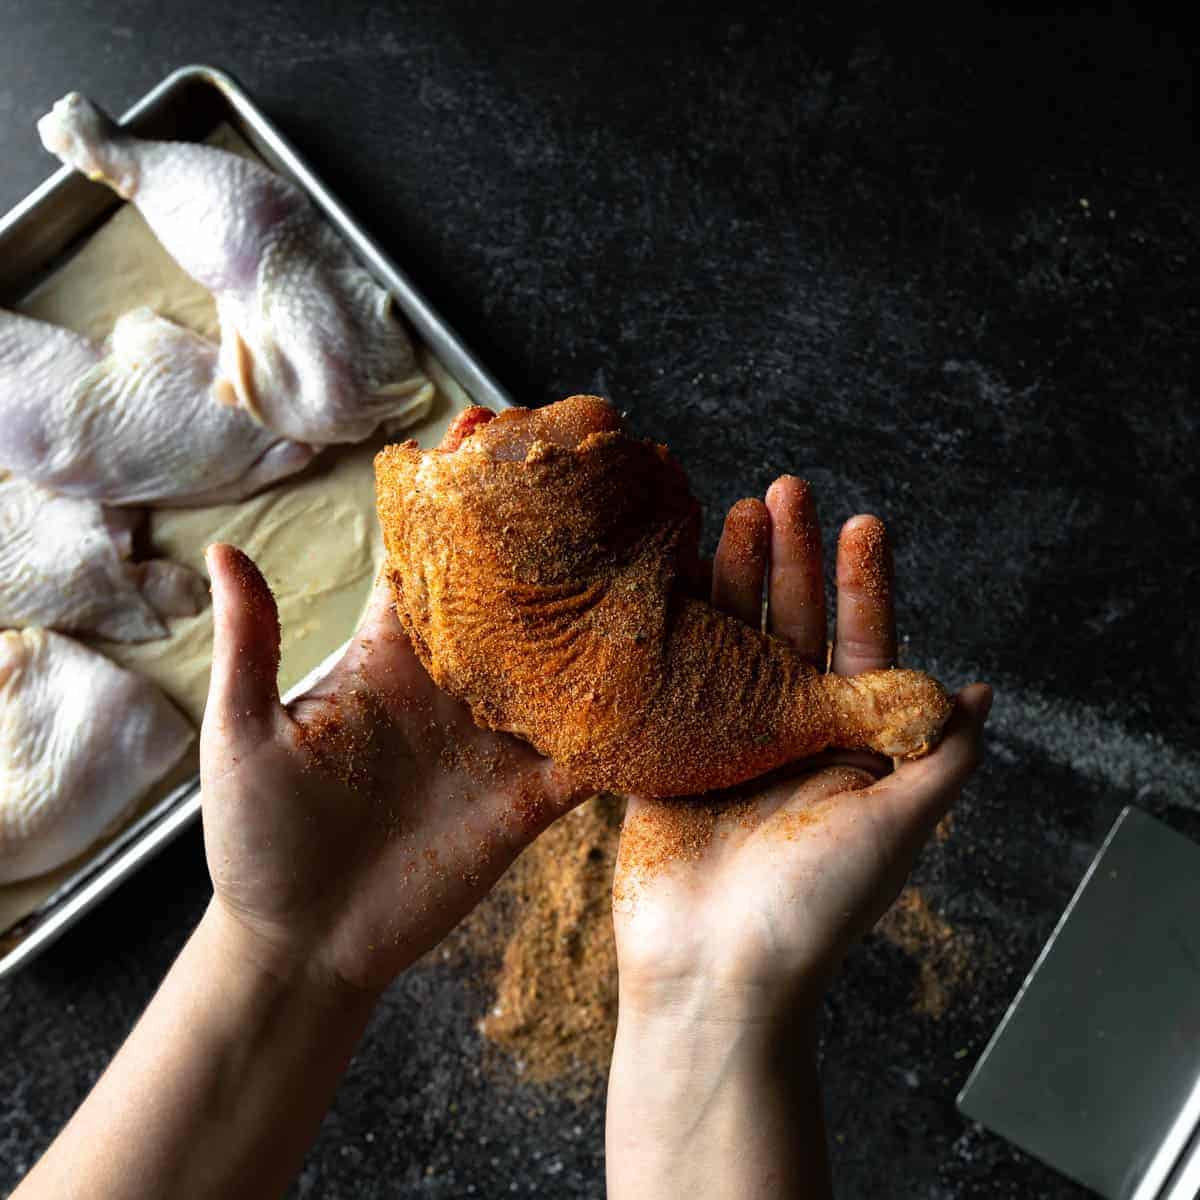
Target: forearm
column 703, row 1107
column 218, row 1091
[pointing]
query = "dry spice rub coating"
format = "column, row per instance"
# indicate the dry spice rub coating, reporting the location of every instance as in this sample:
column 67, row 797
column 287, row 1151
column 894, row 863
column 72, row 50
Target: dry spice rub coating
column 543, row 564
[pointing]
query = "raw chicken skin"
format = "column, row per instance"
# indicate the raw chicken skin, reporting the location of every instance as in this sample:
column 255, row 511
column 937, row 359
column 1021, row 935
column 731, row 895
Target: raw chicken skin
column 135, row 422
column 310, row 344
column 64, row 563
column 541, row 572
column 80, row 741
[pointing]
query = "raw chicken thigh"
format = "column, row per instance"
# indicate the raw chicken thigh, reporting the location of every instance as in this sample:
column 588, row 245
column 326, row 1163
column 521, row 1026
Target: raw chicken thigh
column 64, row 563
column 135, row 422
column 80, row 741
column 310, row 344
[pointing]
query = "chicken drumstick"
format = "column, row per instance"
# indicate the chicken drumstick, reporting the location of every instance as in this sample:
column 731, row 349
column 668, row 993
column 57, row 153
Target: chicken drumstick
column 539, row 562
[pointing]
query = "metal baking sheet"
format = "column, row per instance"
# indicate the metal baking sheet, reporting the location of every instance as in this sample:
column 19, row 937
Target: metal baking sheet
column 1095, row 1068
column 35, row 236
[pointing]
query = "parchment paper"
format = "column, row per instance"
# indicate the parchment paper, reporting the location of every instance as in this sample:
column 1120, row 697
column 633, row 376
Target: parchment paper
column 315, row 536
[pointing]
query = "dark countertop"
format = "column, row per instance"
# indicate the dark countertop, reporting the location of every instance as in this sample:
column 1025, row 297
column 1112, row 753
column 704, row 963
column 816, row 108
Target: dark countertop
column 946, row 273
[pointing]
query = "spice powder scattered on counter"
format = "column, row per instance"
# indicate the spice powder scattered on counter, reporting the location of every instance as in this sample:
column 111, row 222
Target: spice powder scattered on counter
column 546, row 935
column 547, row 931
column 943, row 953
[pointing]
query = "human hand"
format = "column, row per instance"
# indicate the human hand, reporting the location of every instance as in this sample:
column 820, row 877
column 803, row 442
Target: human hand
column 755, row 894
column 348, row 833
column 732, row 910
column 345, row 836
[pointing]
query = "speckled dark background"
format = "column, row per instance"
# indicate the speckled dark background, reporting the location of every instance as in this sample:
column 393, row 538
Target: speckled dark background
column 947, row 270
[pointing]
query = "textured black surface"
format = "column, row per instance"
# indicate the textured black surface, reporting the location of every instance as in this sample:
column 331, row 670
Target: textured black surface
column 946, row 271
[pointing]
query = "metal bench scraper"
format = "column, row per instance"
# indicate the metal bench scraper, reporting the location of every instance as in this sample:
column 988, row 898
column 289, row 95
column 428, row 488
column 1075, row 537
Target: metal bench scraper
column 1095, row 1068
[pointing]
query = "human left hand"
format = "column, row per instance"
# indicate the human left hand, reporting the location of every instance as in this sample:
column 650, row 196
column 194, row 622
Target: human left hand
column 348, row 833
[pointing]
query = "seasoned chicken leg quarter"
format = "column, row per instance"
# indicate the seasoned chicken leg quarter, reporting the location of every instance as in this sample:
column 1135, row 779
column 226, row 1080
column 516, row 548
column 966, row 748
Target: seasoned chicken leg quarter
column 310, row 344
column 539, row 562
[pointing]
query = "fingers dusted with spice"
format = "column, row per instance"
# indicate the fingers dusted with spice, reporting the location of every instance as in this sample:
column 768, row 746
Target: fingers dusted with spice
column 378, row 630
column 741, row 562
column 245, row 668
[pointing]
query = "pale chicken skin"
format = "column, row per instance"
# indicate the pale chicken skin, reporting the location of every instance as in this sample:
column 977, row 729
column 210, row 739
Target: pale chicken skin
column 132, row 422
column 310, row 344
column 66, row 564
column 80, row 741
column 541, row 563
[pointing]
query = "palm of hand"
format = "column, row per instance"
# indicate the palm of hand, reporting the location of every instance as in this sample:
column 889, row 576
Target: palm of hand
column 766, row 887
column 781, row 877
column 352, row 831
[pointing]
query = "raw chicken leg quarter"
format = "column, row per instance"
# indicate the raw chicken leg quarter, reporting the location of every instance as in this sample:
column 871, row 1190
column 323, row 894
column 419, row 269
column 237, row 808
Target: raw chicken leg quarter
column 310, row 344
column 80, row 741
column 65, row 564
column 539, row 562
column 132, row 422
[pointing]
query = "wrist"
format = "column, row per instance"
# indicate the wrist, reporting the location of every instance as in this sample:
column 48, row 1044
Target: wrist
column 693, row 1031
column 711, row 1002
column 247, row 964
column 716, row 1097
column 221, row 1086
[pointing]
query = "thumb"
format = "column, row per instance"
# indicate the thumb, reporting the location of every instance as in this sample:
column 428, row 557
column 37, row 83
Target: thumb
column 921, row 791
column 243, row 687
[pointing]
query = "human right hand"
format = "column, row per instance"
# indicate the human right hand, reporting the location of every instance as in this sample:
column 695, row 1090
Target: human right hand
column 771, row 884
column 732, row 911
